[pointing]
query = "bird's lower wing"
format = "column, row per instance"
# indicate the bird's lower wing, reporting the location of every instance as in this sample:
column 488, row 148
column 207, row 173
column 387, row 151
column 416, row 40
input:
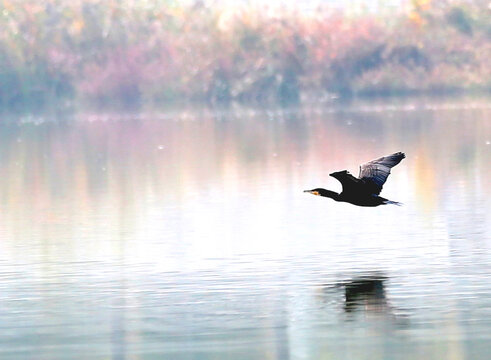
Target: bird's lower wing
column 349, row 182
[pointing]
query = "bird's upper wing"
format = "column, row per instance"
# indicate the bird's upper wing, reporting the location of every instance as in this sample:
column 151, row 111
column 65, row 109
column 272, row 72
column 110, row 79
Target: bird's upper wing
column 374, row 173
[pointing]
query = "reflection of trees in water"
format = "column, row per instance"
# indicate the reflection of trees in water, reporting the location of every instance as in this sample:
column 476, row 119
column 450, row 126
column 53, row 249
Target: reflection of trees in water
column 231, row 148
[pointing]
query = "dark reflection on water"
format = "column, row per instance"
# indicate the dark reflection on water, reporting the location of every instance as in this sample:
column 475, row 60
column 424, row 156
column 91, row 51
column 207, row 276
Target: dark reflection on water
column 186, row 235
column 367, row 292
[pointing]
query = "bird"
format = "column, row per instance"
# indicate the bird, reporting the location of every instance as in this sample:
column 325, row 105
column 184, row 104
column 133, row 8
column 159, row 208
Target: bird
column 364, row 190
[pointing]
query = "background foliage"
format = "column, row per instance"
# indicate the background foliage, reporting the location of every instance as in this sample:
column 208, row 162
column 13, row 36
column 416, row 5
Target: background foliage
column 136, row 52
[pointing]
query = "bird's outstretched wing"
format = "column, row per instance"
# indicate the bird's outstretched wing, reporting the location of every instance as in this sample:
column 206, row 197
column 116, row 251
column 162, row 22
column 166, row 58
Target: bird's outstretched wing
column 374, row 173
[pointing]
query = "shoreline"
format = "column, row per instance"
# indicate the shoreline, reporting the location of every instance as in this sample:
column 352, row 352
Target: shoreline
column 189, row 110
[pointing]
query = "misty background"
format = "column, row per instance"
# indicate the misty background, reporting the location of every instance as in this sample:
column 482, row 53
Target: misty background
column 139, row 53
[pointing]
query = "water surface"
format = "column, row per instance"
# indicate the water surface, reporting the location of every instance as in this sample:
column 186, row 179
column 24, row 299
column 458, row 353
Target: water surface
column 187, row 235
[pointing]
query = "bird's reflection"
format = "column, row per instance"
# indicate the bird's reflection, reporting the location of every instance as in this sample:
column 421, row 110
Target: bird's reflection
column 362, row 293
column 366, row 292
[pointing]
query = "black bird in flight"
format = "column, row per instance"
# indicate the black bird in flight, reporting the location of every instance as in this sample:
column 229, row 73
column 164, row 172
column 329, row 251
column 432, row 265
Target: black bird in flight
column 364, row 190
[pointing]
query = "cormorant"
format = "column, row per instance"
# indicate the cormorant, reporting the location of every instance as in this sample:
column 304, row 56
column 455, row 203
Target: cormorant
column 364, row 190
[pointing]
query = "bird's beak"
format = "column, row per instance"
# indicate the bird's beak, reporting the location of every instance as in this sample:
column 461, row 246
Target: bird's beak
column 312, row 192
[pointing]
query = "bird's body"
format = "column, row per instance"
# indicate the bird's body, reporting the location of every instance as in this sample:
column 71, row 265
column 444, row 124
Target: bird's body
column 364, row 190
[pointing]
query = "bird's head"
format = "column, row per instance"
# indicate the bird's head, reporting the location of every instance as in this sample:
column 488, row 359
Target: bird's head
column 315, row 191
column 323, row 192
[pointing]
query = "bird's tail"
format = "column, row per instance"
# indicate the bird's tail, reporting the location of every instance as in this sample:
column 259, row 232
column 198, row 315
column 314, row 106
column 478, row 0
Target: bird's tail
column 389, row 202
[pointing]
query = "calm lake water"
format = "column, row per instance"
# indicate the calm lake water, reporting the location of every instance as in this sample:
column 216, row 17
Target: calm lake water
column 187, row 235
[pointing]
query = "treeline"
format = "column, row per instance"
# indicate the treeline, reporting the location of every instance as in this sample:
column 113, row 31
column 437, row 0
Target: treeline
column 135, row 52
